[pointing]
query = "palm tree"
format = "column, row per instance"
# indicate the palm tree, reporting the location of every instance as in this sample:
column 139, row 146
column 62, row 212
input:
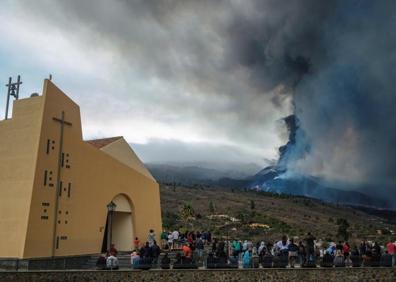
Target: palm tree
column 187, row 212
column 211, row 207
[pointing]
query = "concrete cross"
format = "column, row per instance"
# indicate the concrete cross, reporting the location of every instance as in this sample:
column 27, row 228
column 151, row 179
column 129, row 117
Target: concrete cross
column 62, row 122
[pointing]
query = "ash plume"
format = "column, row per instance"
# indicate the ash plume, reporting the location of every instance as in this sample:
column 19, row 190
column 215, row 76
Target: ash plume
column 337, row 60
column 332, row 63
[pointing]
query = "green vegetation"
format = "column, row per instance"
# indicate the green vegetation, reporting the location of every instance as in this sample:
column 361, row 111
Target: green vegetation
column 187, row 211
column 242, row 214
column 343, row 226
column 211, row 207
column 252, row 205
column 169, row 219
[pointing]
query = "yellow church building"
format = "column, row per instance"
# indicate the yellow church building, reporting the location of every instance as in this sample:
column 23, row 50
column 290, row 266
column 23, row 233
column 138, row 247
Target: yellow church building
column 63, row 196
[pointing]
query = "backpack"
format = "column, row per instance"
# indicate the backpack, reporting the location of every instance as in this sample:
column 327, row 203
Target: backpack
column 164, row 236
column 246, row 258
column 200, row 245
column 267, row 261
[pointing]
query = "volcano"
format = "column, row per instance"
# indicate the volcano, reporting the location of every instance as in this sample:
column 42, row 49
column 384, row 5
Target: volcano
column 272, row 179
column 279, row 179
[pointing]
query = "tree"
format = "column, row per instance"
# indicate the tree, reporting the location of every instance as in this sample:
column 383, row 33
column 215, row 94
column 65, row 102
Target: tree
column 343, row 226
column 169, row 219
column 187, row 214
column 252, row 205
column 187, row 211
column 211, row 207
column 243, row 216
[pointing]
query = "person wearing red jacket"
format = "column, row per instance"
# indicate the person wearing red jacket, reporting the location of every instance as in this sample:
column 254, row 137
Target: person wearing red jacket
column 391, row 248
column 187, row 251
column 346, row 249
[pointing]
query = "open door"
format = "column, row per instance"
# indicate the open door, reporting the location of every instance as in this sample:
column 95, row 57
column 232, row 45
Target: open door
column 122, row 225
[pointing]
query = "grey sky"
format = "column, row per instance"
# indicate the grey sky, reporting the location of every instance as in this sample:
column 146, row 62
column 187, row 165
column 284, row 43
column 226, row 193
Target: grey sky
column 149, row 71
column 182, row 76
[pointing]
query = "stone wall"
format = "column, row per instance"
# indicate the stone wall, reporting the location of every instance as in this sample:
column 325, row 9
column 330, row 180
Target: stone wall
column 299, row 275
column 58, row 263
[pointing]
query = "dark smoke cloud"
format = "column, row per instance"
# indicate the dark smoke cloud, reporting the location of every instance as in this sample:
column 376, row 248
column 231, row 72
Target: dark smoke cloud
column 277, row 40
column 338, row 58
column 294, row 149
column 335, row 61
column 346, row 106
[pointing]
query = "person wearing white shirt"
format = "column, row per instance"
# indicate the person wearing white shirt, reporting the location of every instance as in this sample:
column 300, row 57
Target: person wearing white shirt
column 283, row 245
column 112, row 262
column 175, row 236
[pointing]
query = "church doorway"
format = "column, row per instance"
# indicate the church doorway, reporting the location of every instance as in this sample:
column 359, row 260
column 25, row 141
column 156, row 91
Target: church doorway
column 120, row 224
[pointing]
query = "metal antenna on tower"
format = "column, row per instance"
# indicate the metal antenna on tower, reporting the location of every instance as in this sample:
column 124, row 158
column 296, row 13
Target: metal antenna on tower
column 13, row 90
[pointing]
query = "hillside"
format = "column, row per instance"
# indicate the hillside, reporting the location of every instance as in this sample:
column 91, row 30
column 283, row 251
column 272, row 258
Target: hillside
column 268, row 179
column 192, row 207
column 199, row 172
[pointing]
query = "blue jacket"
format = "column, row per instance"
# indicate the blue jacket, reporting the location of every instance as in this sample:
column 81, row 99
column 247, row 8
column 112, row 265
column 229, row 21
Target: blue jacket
column 246, row 258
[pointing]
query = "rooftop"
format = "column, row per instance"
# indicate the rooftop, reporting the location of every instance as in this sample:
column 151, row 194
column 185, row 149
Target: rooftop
column 100, row 143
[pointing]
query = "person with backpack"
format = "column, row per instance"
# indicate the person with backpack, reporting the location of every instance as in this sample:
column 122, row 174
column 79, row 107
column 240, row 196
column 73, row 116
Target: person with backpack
column 268, row 259
column 302, row 254
column 155, row 252
column 239, row 249
column 355, row 257
column 135, row 259
column 339, row 259
column 261, row 251
column 187, row 252
column 200, row 246
column 376, row 252
column 339, row 246
column 362, row 248
column 293, row 253
column 310, row 240
column 246, row 259
column 386, row 260
column 346, row 250
column 282, row 246
column 165, row 262
column 164, row 239
column 255, row 258
column 101, row 262
column 348, row 261
column 391, row 248
column 327, row 260
column 112, row 262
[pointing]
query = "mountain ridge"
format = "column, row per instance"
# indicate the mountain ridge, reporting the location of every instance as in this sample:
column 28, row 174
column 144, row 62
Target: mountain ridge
column 269, row 179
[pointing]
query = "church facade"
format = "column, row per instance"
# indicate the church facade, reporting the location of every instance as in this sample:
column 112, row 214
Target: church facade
column 57, row 190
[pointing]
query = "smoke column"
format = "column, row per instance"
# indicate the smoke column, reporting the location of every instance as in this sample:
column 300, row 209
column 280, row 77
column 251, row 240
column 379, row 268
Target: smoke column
column 333, row 61
column 337, row 60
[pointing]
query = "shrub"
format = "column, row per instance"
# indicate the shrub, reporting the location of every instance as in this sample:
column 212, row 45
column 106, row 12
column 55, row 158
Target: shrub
column 343, row 226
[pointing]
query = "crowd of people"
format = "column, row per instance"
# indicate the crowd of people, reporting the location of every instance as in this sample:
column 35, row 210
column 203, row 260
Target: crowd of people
column 143, row 256
column 191, row 247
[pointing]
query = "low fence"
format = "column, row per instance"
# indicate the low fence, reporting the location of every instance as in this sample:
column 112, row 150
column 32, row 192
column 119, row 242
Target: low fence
column 318, row 274
column 61, row 263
